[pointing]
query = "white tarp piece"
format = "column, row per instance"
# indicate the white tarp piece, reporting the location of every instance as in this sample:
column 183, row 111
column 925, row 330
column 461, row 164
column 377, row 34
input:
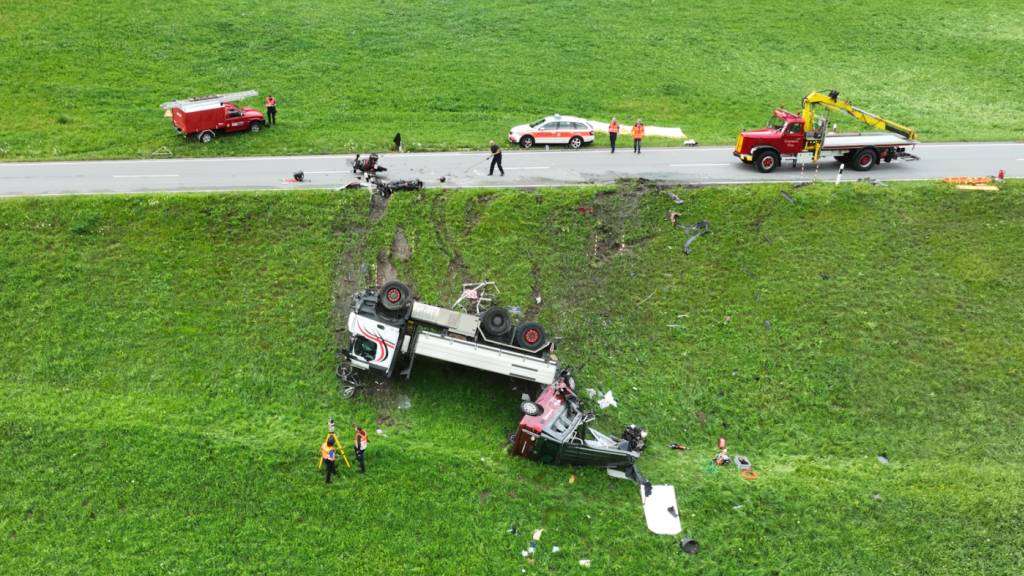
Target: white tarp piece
column 607, row 400
column 624, row 130
column 661, row 510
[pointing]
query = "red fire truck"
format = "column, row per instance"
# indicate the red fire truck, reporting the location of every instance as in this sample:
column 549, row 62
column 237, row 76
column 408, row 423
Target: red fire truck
column 205, row 117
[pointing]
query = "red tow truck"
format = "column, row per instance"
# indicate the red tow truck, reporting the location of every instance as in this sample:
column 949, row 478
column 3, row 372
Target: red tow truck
column 805, row 137
column 205, row 117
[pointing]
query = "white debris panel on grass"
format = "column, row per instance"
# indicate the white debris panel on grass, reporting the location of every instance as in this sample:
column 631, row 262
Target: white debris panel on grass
column 624, row 129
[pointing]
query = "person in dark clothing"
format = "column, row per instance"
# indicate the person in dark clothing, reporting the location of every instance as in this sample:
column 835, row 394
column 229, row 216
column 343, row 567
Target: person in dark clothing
column 398, row 141
column 271, row 110
column 360, row 444
column 495, row 159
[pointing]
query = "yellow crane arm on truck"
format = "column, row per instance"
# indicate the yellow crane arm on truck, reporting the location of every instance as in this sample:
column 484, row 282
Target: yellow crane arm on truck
column 832, row 102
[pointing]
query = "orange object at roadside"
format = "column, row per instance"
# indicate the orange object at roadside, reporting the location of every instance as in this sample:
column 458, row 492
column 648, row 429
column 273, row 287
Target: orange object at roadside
column 967, row 180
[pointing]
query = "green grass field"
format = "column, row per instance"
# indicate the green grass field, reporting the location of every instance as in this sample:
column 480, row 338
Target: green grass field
column 85, row 79
column 167, row 371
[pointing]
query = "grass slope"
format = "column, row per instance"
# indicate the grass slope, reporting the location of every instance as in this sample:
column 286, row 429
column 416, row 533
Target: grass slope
column 167, row 369
column 84, row 80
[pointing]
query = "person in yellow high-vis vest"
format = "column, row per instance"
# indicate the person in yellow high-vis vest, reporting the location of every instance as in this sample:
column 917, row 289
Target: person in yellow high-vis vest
column 328, row 454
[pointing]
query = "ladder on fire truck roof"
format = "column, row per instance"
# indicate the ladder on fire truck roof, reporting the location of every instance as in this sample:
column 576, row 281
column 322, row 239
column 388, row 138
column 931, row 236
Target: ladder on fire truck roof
column 229, row 97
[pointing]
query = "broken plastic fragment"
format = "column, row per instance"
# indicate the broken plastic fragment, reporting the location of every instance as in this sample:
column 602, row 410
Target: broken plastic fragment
column 607, row 400
column 591, row 392
column 883, row 458
column 555, row 549
column 537, row 534
column 585, row 563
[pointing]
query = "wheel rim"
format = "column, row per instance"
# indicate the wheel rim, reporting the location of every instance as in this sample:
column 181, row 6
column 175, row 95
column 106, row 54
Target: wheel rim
column 768, row 162
column 394, row 295
column 527, row 142
column 865, row 160
column 531, row 336
column 575, row 142
column 255, row 127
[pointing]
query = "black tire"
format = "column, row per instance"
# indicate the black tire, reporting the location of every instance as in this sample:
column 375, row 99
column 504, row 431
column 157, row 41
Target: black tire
column 255, row 126
column 394, row 296
column 575, row 142
column 527, row 141
column 864, row 160
column 767, row 161
column 531, row 408
column 205, row 137
column 496, row 323
column 530, row 335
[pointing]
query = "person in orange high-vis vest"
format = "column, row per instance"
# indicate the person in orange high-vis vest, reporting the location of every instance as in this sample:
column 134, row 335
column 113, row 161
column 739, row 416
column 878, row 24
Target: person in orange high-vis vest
column 360, row 444
column 638, row 135
column 613, row 132
column 328, row 454
column 271, row 110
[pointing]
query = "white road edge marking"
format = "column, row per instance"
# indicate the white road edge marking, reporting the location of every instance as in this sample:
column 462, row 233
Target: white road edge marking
column 328, row 172
column 146, row 175
column 528, row 168
column 722, row 164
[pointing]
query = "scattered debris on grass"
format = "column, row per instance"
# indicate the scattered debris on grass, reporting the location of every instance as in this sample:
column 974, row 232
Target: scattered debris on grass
column 767, row 325
column 674, row 198
column 789, row 198
column 404, row 403
column 572, row 478
column 660, row 508
column 883, row 458
column 876, row 497
column 585, row 563
column 555, row 549
column 872, row 181
column 825, row 276
column 677, row 446
column 696, row 230
column 689, row 545
column 607, row 400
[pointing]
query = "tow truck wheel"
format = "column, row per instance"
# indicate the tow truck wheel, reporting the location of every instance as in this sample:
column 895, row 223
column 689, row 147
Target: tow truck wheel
column 496, row 323
column 394, row 296
column 255, row 126
column 205, row 137
column 531, row 408
column 865, row 160
column 766, row 161
column 530, row 335
column 575, row 142
column 526, row 141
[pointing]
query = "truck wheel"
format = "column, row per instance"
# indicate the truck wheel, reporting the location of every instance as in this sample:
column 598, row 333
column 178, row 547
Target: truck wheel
column 531, row 408
column 394, row 296
column 526, row 141
column 575, row 142
column 766, row 161
column 865, row 160
column 496, row 322
column 530, row 335
column 205, row 137
column 255, row 126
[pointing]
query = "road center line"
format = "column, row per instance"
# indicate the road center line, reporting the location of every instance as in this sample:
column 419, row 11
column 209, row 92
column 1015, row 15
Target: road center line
column 145, row 175
column 677, row 165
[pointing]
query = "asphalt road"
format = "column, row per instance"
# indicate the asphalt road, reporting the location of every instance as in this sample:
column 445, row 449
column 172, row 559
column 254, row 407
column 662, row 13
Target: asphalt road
column 533, row 168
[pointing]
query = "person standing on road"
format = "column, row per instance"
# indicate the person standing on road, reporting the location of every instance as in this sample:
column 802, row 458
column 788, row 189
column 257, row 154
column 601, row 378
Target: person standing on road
column 613, row 132
column 328, row 454
column 495, row 159
column 271, row 110
column 638, row 135
column 360, row 444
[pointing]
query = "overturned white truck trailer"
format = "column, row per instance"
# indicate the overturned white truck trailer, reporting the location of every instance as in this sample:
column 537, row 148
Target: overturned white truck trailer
column 388, row 330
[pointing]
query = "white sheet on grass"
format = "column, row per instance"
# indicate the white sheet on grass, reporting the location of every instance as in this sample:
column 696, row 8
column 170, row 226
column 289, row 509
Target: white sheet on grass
column 624, row 130
column 659, row 507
